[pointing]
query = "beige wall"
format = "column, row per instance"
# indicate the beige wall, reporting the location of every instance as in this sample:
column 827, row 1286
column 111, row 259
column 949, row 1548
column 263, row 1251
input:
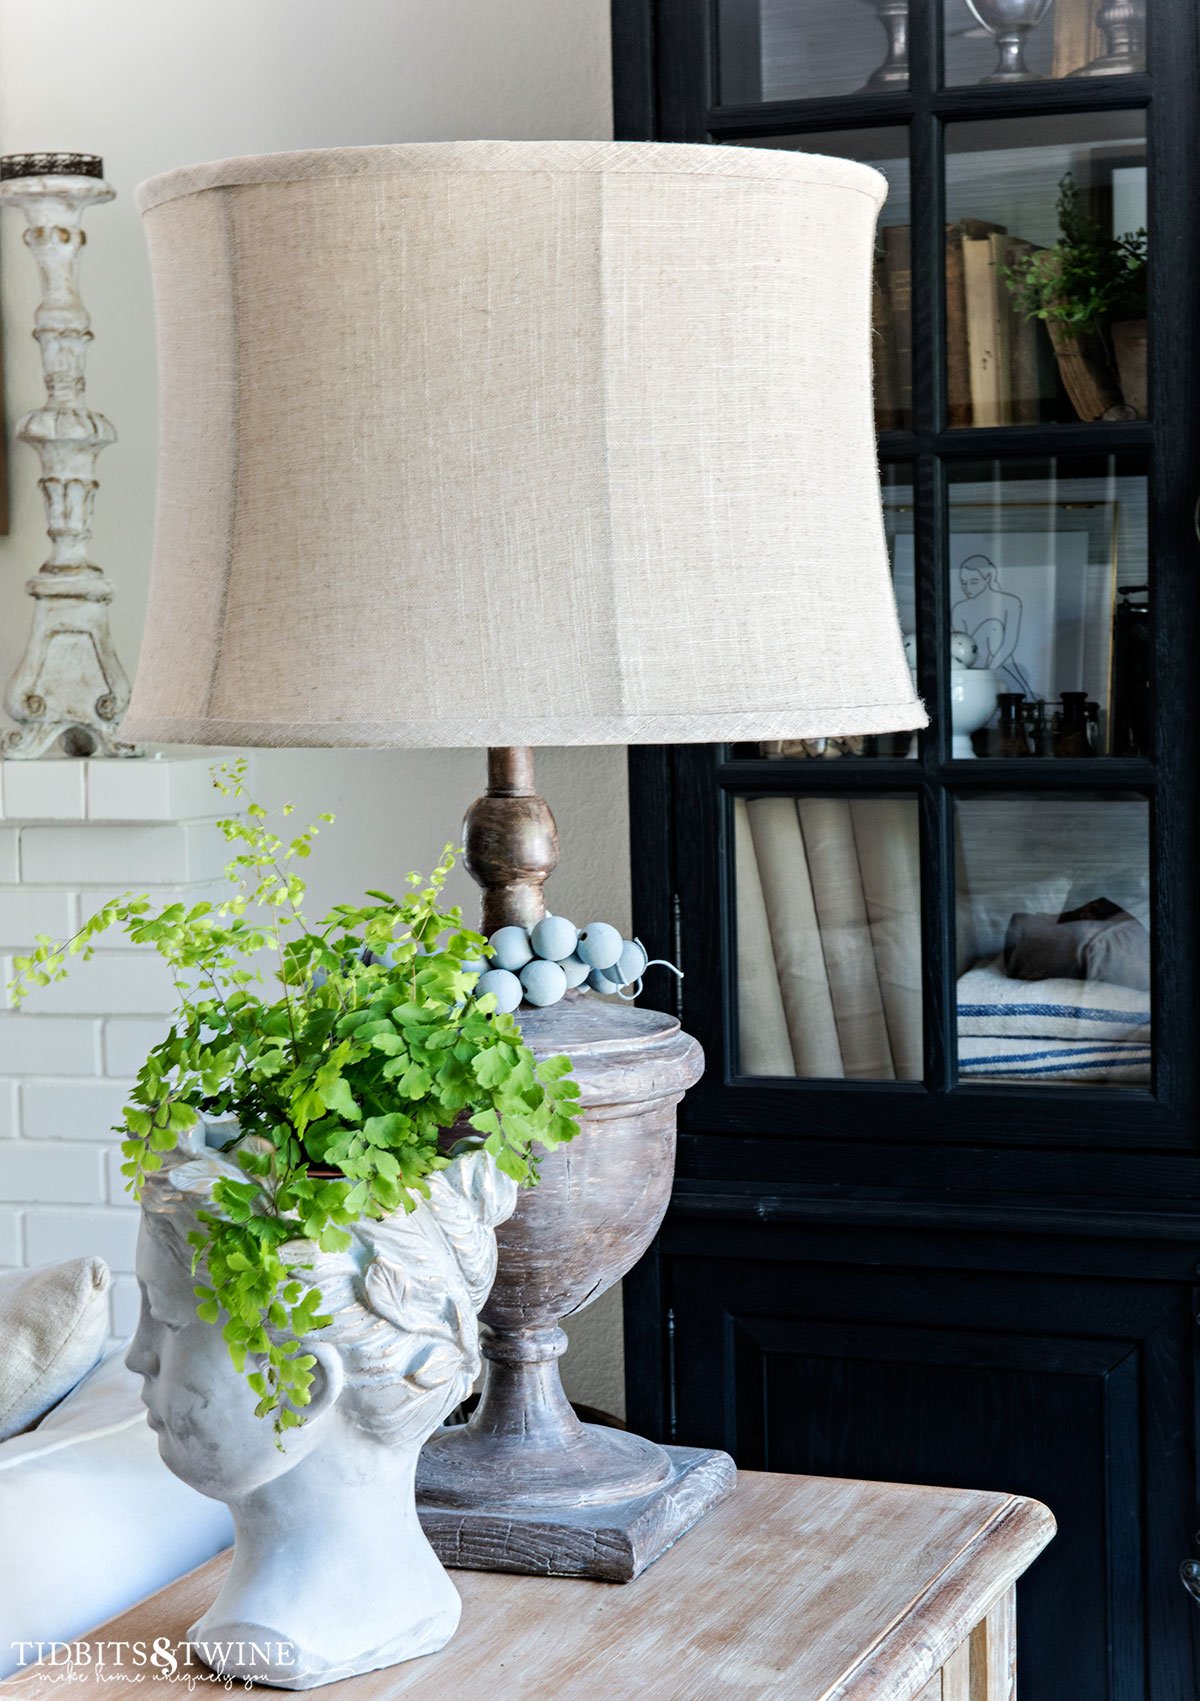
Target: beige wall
column 151, row 84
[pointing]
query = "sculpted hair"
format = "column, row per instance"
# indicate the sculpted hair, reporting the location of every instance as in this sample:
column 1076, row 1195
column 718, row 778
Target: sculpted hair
column 403, row 1296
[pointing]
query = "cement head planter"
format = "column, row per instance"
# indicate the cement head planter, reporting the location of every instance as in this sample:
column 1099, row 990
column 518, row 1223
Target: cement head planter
column 310, row 1290
column 331, row 1573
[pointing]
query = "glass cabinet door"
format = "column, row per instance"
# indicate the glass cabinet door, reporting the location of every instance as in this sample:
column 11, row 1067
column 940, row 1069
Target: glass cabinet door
column 921, row 926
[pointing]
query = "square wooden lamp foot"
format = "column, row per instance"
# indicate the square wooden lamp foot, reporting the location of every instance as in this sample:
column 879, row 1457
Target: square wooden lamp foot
column 611, row 1543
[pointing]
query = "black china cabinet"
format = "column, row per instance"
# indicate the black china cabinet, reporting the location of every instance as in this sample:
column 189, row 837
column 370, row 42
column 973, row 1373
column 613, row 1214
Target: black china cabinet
column 937, row 1215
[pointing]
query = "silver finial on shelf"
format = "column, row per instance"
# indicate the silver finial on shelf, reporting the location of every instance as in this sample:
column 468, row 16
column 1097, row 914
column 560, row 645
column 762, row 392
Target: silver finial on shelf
column 893, row 72
column 69, row 684
column 1123, row 25
column 1010, row 21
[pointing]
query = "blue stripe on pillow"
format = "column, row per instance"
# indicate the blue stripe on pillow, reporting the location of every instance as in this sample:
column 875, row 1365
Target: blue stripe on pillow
column 1069, row 1012
column 1131, row 1052
column 1059, row 1068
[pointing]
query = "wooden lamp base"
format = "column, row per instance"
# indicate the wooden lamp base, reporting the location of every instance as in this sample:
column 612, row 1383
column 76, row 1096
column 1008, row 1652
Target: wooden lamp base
column 525, row 1486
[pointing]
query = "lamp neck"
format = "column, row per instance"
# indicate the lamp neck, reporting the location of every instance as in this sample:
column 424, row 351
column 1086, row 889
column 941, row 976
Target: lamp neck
column 510, row 841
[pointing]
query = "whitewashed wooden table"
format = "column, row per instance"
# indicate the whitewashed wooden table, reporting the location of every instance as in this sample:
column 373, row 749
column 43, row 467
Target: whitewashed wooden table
column 804, row 1588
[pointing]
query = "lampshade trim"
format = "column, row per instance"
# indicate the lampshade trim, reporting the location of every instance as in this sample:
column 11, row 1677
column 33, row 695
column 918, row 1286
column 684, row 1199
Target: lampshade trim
column 725, row 164
column 837, row 721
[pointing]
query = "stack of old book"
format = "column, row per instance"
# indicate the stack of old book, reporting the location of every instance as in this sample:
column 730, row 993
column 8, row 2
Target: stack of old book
column 999, row 366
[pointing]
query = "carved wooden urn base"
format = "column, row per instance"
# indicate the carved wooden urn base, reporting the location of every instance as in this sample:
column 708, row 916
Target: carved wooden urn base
column 525, row 1486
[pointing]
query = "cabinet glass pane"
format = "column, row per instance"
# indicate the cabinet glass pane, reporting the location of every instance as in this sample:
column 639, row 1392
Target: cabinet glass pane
column 1046, row 270
column 1014, row 41
column 898, row 522
column 799, row 49
column 828, row 937
column 1049, row 608
column 891, row 312
column 1053, row 943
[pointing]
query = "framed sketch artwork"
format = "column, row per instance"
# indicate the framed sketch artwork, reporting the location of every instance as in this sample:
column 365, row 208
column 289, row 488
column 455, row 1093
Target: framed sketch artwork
column 1033, row 582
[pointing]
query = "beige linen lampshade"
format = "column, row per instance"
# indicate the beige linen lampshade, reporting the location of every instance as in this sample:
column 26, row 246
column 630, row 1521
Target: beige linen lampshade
column 506, row 443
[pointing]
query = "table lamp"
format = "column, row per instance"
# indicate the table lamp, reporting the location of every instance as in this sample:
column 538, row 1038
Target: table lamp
column 512, row 443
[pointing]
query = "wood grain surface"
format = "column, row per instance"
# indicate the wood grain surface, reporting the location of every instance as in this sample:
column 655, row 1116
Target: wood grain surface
column 804, row 1588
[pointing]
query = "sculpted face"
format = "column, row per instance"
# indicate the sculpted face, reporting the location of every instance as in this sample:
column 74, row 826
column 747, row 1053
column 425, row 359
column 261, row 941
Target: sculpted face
column 200, row 1408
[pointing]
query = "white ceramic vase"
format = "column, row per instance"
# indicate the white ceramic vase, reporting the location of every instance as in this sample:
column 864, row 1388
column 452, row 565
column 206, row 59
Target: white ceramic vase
column 331, row 1573
column 972, row 705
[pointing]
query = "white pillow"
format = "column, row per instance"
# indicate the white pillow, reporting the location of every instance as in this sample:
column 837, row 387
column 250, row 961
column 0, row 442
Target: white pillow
column 993, row 1005
column 92, row 1519
column 53, row 1326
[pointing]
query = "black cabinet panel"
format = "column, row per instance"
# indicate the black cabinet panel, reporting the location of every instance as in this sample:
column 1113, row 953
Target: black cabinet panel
column 929, row 1358
column 944, row 1280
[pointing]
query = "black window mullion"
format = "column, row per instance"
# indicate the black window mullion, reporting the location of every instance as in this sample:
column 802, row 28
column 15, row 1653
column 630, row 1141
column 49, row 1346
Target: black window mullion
column 937, row 827
column 685, row 71
column 927, row 242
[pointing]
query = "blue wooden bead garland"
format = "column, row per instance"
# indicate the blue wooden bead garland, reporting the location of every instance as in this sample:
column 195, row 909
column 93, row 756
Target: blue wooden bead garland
column 539, row 965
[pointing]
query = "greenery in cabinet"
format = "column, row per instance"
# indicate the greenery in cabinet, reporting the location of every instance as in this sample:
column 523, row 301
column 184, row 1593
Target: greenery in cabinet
column 1089, row 280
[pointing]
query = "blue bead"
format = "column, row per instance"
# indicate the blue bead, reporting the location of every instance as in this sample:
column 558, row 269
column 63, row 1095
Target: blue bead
column 504, row 987
column 554, row 938
column 473, row 966
column 599, row 945
column 509, row 948
column 544, row 983
column 575, row 970
column 632, row 962
column 599, row 982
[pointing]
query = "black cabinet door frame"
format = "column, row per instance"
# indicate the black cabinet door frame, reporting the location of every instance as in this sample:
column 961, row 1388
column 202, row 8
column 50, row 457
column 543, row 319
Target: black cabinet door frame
column 1125, row 1140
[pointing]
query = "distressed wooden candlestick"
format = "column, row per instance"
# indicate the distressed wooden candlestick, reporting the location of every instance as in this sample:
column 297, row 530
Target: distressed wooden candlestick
column 69, row 685
column 525, row 1486
column 510, row 841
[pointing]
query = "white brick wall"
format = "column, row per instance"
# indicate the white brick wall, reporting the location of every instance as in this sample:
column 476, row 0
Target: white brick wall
column 72, row 834
column 75, row 1177
column 119, row 857
column 53, row 1233
column 124, row 1304
column 50, row 1045
column 10, row 1236
column 127, row 1039
column 116, row 983
column 8, row 1109
column 26, row 911
column 71, row 1110
column 10, row 861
